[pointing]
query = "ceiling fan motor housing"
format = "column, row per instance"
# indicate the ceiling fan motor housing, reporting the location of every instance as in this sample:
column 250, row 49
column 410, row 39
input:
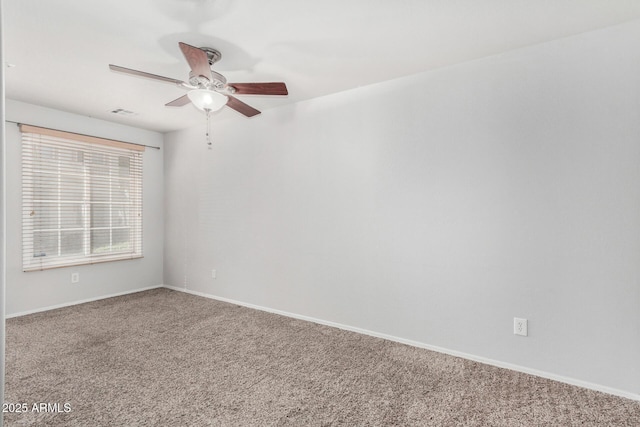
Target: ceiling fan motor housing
column 217, row 82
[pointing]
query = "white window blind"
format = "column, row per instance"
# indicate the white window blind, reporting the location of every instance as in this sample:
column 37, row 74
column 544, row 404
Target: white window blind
column 81, row 199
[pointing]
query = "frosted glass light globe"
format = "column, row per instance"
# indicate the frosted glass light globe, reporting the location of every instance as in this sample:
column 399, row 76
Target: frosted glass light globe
column 205, row 99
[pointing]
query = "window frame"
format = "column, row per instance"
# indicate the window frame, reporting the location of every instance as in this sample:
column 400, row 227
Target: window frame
column 128, row 208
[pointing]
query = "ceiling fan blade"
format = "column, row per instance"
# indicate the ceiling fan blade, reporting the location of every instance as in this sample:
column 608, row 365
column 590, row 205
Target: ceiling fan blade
column 274, row 88
column 197, row 59
column 143, row 74
column 179, row 102
column 241, row 107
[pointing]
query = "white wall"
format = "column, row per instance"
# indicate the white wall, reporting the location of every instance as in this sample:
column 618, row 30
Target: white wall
column 36, row 290
column 437, row 207
column 2, row 214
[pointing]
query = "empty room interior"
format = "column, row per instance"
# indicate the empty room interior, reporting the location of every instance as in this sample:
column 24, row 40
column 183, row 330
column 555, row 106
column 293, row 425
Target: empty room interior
column 221, row 212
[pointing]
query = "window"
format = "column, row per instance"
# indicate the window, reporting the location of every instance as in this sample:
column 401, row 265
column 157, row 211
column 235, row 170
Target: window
column 81, row 199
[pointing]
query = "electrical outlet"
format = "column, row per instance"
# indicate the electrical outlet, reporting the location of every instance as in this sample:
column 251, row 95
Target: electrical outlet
column 520, row 326
column 213, row 274
column 75, row 277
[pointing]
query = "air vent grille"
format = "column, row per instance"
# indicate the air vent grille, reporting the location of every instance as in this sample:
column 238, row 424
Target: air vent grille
column 123, row 112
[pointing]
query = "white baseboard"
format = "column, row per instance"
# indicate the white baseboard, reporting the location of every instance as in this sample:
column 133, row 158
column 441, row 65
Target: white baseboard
column 68, row 304
column 480, row 359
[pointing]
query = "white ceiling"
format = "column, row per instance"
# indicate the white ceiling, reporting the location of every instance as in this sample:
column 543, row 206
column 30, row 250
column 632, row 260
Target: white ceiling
column 61, row 48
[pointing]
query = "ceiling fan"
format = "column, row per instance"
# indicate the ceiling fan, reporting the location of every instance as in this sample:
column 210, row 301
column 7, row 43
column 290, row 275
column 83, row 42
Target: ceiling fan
column 209, row 90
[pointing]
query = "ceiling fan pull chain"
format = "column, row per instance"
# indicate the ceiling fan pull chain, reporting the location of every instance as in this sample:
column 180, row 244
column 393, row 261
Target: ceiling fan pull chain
column 208, row 128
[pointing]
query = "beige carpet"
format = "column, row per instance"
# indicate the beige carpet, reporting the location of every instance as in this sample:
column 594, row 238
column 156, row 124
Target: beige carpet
column 165, row 358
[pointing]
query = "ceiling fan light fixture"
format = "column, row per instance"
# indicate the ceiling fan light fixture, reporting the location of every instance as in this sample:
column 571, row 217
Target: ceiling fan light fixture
column 207, row 100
